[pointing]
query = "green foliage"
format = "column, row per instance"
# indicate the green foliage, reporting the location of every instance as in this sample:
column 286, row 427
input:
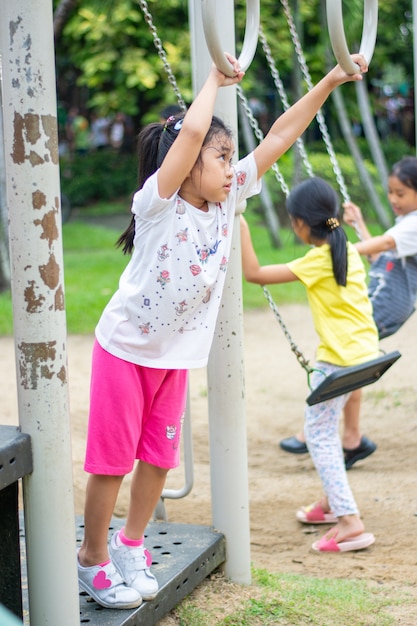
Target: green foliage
column 393, row 148
column 108, row 49
column 100, row 175
column 322, row 167
column 113, row 55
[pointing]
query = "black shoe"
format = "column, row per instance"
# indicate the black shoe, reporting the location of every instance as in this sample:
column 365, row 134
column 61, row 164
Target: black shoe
column 365, row 448
column 293, row 445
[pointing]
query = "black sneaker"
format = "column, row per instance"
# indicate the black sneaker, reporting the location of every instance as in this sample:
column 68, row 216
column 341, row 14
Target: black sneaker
column 364, row 449
column 293, row 445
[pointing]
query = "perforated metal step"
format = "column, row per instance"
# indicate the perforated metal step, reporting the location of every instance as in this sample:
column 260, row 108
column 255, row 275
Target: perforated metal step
column 183, row 556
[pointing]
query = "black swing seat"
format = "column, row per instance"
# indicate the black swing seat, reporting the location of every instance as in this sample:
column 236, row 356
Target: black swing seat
column 354, row 377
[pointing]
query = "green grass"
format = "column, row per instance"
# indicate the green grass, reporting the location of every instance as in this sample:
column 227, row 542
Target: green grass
column 92, row 267
column 294, row 600
column 290, row 292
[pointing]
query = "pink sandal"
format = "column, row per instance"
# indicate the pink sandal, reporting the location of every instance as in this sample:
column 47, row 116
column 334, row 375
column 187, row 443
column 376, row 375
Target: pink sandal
column 353, row 543
column 314, row 514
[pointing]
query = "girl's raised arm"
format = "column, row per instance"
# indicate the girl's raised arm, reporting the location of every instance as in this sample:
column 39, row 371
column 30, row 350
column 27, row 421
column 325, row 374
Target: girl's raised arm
column 291, row 124
column 184, row 151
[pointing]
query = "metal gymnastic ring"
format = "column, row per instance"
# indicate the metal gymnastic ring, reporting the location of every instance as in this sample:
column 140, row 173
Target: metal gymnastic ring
column 337, row 33
column 250, row 40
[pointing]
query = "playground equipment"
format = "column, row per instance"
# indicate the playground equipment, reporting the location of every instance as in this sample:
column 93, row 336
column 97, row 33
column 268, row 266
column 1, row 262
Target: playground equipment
column 349, row 378
column 250, row 40
column 51, row 600
column 337, row 33
column 33, row 193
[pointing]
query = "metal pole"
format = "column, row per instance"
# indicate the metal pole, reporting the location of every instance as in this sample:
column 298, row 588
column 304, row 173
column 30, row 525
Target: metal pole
column 227, row 420
column 33, row 197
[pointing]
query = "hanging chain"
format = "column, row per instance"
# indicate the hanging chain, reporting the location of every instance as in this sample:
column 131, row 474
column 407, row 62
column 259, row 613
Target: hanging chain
column 283, row 96
column 281, row 180
column 299, row 355
column 259, row 135
column 320, row 117
column 162, row 53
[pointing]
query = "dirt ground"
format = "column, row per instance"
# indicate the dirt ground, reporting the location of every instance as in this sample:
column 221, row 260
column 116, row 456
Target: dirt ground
column 385, row 484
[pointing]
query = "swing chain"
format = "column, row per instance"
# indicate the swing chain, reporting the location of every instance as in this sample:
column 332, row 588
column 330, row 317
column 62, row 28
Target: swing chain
column 319, row 116
column 283, row 96
column 259, row 135
column 299, row 355
column 162, row 53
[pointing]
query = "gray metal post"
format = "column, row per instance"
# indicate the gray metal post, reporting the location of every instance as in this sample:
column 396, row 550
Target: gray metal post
column 33, row 197
column 227, row 420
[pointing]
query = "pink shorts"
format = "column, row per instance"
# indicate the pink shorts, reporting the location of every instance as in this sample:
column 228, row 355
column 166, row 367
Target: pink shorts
column 136, row 412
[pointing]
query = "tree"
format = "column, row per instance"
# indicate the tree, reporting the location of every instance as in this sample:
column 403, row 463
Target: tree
column 62, row 14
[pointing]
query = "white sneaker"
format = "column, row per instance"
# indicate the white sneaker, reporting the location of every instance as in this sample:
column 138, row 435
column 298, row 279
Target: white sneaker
column 133, row 565
column 105, row 585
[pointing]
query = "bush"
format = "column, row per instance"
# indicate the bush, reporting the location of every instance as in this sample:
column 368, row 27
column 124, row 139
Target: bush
column 103, row 175
column 321, row 165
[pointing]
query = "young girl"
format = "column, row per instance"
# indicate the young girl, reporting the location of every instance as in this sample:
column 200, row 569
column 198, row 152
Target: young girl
column 161, row 320
column 393, row 255
column 392, row 288
column 335, row 279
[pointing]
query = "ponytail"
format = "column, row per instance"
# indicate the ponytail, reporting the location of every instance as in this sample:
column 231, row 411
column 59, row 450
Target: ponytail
column 154, row 141
column 336, row 238
column 316, row 203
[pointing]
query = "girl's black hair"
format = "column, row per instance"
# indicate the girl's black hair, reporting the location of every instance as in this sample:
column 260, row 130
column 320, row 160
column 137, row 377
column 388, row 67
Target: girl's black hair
column 406, row 171
column 153, row 144
column 317, row 204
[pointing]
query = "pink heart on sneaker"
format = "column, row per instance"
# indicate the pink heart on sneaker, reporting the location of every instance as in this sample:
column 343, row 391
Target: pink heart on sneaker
column 148, row 557
column 100, row 581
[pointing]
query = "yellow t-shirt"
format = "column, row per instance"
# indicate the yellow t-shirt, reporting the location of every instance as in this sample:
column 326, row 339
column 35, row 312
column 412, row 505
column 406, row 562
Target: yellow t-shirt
column 342, row 316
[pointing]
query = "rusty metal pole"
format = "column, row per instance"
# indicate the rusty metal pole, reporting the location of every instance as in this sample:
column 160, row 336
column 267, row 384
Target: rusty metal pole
column 33, row 197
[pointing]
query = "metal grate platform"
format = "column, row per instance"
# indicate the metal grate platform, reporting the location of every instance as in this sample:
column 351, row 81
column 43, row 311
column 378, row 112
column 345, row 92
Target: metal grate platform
column 183, row 556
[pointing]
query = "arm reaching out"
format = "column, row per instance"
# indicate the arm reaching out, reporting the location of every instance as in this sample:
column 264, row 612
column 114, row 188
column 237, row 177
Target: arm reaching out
column 255, row 273
column 369, row 246
column 352, row 215
column 291, row 124
column 185, row 150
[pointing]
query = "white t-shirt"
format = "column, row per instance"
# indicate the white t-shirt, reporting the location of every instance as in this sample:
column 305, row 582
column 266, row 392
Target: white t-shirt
column 404, row 233
column 164, row 313
column 393, row 277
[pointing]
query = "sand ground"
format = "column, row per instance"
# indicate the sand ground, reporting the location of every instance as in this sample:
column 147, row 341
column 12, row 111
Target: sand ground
column 385, row 484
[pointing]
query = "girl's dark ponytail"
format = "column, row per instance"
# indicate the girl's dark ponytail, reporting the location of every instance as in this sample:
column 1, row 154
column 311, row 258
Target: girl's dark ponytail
column 148, row 144
column 337, row 239
column 154, row 141
column 317, row 204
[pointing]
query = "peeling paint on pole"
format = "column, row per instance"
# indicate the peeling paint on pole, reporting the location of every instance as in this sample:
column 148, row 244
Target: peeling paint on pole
column 35, row 139
column 36, row 361
column 35, row 234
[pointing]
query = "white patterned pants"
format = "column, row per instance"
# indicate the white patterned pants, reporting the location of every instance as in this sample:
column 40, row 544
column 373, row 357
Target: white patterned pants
column 325, row 446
